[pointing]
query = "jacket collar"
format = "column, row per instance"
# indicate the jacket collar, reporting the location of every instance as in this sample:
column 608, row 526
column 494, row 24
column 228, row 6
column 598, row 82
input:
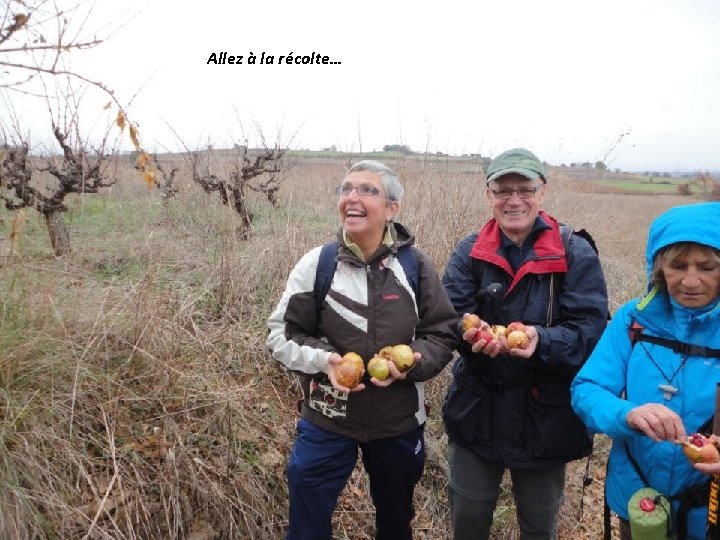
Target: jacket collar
column 396, row 235
column 663, row 316
column 546, row 256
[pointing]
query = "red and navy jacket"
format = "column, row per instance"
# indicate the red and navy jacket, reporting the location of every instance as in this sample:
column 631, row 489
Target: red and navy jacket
column 516, row 412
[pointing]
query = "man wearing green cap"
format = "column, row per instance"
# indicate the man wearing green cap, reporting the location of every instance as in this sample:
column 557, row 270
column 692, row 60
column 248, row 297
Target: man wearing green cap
column 509, row 408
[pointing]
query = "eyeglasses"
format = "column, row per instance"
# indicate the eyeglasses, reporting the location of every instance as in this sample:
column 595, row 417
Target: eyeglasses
column 523, row 193
column 363, row 190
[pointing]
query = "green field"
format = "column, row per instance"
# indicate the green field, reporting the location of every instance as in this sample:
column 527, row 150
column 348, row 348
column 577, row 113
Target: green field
column 644, row 186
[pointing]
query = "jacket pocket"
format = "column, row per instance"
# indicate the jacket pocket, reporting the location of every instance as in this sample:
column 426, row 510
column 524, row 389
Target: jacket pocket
column 554, row 431
column 467, row 409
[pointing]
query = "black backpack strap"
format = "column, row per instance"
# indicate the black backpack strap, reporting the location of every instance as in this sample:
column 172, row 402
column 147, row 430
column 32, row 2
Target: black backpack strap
column 407, row 258
column 565, row 234
column 607, row 527
column 635, row 465
column 566, row 231
column 586, row 481
column 688, row 349
column 327, row 263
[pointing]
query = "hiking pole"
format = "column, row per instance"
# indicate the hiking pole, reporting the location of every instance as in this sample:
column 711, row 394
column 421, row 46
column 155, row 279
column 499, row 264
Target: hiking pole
column 713, row 520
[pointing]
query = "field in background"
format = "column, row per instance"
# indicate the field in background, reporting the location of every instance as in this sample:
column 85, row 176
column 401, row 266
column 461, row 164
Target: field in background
column 137, row 397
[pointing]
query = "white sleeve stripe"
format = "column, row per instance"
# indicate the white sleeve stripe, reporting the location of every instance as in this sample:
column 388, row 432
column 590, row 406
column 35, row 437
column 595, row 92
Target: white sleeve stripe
column 289, row 353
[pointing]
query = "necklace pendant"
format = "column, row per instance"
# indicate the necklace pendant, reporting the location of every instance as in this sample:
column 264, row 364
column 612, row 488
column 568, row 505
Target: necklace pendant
column 668, row 391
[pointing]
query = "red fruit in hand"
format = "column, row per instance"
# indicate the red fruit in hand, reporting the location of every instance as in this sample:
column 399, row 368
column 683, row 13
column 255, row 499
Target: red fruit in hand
column 516, row 325
column 483, row 334
column 700, row 449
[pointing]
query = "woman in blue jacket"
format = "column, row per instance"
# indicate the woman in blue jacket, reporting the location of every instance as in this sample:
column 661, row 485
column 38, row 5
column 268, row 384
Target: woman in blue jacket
column 642, row 393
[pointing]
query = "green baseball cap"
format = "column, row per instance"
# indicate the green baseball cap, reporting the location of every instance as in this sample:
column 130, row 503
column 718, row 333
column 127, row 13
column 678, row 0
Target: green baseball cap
column 518, row 161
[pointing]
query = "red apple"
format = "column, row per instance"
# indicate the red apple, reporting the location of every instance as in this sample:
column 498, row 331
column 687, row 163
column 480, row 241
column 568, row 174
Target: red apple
column 483, row 334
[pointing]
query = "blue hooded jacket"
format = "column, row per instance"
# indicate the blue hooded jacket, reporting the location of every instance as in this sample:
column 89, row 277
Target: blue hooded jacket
column 619, row 376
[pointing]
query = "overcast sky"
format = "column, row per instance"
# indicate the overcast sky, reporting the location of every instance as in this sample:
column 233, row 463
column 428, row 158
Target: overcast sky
column 635, row 83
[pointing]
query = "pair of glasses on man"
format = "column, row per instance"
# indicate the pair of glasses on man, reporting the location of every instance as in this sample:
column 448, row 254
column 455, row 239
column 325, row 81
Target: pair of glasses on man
column 363, row 190
column 523, row 193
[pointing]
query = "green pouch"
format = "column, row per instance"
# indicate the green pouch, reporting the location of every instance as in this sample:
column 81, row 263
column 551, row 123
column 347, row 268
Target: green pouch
column 649, row 512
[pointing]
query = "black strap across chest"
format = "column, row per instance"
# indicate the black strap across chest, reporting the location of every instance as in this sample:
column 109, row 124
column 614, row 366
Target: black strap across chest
column 687, row 349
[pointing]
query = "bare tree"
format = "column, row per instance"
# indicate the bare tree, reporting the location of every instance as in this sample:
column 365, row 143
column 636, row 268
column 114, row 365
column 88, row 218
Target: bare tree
column 705, row 183
column 37, row 38
column 156, row 175
column 270, row 188
column 245, row 166
column 43, row 183
column 36, row 35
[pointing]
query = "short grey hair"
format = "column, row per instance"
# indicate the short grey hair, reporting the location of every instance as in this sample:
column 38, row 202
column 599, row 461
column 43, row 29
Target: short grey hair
column 392, row 186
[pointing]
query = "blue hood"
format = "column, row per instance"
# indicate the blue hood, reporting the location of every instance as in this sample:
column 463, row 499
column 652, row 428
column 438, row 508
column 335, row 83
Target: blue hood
column 698, row 223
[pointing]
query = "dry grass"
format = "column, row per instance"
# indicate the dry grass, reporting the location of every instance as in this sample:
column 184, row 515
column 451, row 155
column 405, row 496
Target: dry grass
column 136, row 395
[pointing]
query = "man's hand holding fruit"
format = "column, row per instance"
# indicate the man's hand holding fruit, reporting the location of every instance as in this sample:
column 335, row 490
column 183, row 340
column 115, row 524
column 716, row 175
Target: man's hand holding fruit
column 515, row 339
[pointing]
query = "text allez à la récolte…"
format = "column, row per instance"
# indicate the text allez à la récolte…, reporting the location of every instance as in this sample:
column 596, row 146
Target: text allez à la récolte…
column 289, row 59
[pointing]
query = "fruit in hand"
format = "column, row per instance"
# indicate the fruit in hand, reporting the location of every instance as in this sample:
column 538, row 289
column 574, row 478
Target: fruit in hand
column 350, row 370
column 401, row 355
column 355, row 358
column 498, row 330
column 483, row 334
column 701, row 449
column 516, row 325
column 517, row 339
column 378, row 367
column 470, row 320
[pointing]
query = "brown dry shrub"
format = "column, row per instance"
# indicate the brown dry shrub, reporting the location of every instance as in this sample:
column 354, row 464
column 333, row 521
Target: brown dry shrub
column 137, row 397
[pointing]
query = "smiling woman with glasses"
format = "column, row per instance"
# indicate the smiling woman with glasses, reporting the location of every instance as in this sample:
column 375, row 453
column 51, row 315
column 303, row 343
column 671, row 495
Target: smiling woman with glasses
column 383, row 292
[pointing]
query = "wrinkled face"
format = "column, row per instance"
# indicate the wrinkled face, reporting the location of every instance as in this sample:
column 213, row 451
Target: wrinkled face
column 694, row 280
column 363, row 217
column 516, row 214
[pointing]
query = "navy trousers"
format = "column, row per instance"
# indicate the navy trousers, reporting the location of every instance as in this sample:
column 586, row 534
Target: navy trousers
column 321, row 463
